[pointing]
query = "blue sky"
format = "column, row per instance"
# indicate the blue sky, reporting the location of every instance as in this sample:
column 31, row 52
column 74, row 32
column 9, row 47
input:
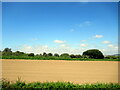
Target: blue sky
column 61, row 27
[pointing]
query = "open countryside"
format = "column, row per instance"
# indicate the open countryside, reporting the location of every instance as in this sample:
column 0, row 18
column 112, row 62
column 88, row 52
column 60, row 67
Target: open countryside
column 60, row 70
column 60, row 45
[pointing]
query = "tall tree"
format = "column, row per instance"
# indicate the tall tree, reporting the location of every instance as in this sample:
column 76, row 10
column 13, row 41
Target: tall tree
column 44, row 54
column 94, row 53
column 7, row 52
column 65, row 55
column 57, row 55
column 50, row 54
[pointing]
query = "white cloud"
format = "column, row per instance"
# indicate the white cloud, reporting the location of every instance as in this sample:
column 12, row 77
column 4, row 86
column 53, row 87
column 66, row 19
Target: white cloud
column 63, row 45
column 63, row 48
column 110, row 51
column 116, row 47
column 113, row 46
column 98, row 36
column 45, row 46
column 103, row 50
column 83, row 45
column 59, row 41
column 106, row 42
column 110, row 45
column 26, row 48
column 113, row 49
column 86, row 23
column 34, row 49
column 37, row 49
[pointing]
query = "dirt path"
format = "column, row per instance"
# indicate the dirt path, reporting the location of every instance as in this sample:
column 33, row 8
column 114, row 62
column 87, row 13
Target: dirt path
column 60, row 70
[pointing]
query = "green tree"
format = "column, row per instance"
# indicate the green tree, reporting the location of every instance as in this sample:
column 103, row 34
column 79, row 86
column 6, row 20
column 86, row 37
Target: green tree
column 72, row 56
column 94, row 53
column 0, row 53
column 78, row 56
column 7, row 52
column 50, row 54
column 57, row 55
column 18, row 53
column 37, row 55
column 65, row 55
column 111, row 57
column 40, row 54
column 44, row 54
column 31, row 54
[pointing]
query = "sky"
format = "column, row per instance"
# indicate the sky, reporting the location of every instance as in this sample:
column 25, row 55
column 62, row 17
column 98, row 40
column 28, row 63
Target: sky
column 60, row 27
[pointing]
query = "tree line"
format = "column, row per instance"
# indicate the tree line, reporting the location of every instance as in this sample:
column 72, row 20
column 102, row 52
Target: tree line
column 8, row 52
column 92, row 53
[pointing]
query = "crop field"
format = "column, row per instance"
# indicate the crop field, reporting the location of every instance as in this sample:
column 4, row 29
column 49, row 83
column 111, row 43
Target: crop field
column 59, row 70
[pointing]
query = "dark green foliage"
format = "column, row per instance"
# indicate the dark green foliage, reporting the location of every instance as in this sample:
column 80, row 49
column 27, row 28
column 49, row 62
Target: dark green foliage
column 65, row 55
column 93, row 53
column 57, row 85
column 72, row 56
column 0, row 54
column 78, row 56
column 45, row 54
column 112, row 57
column 37, row 55
column 75, row 56
column 40, row 55
column 7, row 52
column 57, row 55
column 56, row 58
column 31, row 54
column 18, row 53
column 50, row 54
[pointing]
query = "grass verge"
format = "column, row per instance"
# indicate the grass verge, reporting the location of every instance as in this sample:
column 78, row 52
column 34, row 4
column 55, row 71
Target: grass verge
column 6, row 85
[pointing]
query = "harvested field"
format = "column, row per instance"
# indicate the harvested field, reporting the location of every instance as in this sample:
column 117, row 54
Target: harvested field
column 60, row 70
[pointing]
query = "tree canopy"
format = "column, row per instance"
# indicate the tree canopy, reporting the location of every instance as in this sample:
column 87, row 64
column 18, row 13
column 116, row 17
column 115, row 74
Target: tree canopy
column 94, row 53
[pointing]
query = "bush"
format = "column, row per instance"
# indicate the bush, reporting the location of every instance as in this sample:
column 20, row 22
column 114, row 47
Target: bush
column 57, row 55
column 57, row 85
column 7, row 52
column 72, row 56
column 66, row 55
column 18, row 53
column 50, row 54
column 93, row 53
column 45, row 54
column 112, row 57
column 78, row 56
column 31, row 54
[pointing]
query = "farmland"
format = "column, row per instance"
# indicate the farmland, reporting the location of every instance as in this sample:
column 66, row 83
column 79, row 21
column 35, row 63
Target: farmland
column 59, row 45
column 60, row 70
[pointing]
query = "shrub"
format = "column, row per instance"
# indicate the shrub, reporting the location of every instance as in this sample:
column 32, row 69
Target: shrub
column 112, row 57
column 50, row 54
column 19, row 85
column 31, row 54
column 78, row 56
column 57, row 55
column 7, row 52
column 72, row 56
column 44, row 54
column 66, row 55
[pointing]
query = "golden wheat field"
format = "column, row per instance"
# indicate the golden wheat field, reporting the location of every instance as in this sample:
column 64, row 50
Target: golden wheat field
column 60, row 70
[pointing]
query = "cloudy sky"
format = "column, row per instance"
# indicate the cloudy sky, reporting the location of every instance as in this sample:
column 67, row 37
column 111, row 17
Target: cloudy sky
column 61, row 27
